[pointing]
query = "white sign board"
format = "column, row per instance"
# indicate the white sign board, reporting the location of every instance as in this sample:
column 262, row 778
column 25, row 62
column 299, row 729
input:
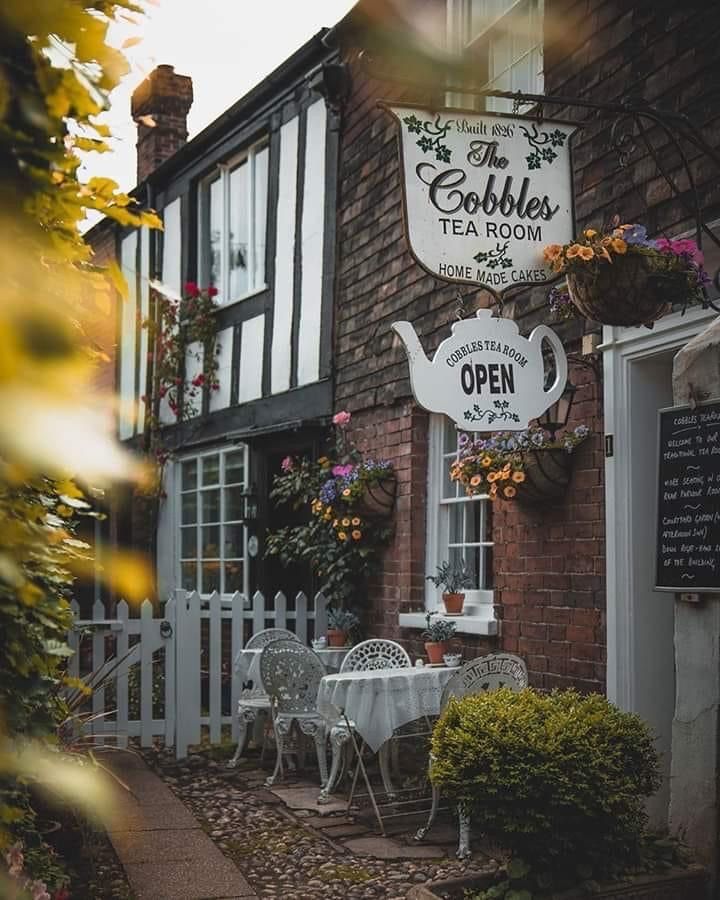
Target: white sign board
column 484, row 194
column 485, row 376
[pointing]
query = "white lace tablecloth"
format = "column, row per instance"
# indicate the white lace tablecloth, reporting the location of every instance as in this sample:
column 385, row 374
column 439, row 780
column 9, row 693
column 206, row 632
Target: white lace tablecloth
column 247, row 665
column 381, row 700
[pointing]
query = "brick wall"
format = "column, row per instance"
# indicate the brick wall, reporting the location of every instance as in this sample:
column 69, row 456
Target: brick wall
column 549, row 563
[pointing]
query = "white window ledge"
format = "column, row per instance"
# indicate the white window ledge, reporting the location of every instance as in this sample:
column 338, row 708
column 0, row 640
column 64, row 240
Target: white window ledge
column 477, row 620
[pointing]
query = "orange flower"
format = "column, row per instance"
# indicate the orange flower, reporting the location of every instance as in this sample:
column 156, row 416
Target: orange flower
column 586, row 253
column 590, row 232
column 518, row 477
column 486, row 461
column 476, row 480
column 618, row 245
column 509, row 491
column 346, row 522
column 505, row 474
column 552, row 252
column 492, row 476
column 346, row 492
column 573, row 250
column 336, row 523
column 493, row 492
column 342, row 535
column 357, row 534
column 355, row 521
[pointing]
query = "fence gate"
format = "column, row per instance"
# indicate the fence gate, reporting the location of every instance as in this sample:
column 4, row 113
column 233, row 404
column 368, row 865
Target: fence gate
column 172, row 675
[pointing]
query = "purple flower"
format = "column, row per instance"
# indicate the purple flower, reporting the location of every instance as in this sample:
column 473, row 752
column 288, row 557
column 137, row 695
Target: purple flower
column 328, row 492
column 287, row 464
column 342, row 471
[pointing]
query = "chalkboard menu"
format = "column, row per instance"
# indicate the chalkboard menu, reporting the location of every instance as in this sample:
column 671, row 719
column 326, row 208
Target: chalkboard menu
column 688, row 527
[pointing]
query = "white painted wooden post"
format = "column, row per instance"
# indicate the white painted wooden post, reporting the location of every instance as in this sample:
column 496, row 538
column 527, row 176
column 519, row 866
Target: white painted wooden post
column 237, row 629
column 146, row 673
column 98, row 659
column 170, row 673
column 215, row 666
column 187, row 667
column 74, row 643
column 320, row 614
column 301, row 620
column 258, row 612
column 121, row 682
column 280, row 610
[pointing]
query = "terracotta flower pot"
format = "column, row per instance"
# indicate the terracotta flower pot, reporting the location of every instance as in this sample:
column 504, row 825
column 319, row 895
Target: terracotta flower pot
column 634, row 290
column 453, row 603
column 336, row 638
column 435, row 650
column 378, row 499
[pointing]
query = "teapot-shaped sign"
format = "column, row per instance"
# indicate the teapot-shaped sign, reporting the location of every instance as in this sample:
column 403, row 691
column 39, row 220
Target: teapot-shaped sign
column 486, row 376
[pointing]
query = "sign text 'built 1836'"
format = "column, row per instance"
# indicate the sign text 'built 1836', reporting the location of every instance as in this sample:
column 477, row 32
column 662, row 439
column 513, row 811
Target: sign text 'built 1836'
column 484, row 194
column 688, row 526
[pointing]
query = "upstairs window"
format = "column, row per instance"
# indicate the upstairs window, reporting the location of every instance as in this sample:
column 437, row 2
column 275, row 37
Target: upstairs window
column 233, row 226
column 505, row 39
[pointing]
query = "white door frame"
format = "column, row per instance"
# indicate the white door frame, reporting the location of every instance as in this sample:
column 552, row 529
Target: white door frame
column 621, row 348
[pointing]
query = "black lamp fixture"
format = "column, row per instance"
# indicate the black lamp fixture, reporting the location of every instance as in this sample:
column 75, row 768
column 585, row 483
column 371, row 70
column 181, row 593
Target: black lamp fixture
column 250, row 504
column 556, row 416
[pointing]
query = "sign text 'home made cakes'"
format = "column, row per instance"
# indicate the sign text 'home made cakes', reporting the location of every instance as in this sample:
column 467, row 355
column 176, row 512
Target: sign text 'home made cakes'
column 484, row 194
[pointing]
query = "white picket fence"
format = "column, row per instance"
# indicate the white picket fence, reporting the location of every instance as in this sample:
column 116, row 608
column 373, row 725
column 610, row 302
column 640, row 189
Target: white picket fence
column 199, row 638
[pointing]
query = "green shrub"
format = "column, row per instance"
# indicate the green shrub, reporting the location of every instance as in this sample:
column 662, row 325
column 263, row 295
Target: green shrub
column 558, row 780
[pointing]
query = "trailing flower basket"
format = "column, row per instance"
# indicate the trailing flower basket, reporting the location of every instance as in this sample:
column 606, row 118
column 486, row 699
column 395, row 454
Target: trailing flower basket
column 547, row 475
column 377, row 499
column 635, row 290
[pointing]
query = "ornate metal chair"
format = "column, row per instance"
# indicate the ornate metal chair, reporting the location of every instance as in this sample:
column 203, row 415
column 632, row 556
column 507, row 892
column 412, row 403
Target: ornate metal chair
column 376, row 653
column 254, row 700
column 486, row 673
column 291, row 675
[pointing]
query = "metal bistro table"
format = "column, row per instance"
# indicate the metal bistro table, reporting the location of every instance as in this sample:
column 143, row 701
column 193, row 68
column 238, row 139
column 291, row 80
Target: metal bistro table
column 378, row 702
column 254, row 699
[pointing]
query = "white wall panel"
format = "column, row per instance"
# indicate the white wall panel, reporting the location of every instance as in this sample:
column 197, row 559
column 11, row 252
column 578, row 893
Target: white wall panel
column 312, row 244
column 251, row 359
column 128, row 336
column 221, row 399
column 284, row 258
column 144, row 313
column 171, row 273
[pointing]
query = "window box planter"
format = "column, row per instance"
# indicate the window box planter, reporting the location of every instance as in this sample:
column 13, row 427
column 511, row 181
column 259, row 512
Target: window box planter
column 378, row 499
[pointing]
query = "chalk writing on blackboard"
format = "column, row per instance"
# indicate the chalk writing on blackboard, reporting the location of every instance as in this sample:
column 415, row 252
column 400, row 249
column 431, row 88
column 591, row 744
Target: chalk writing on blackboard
column 688, row 526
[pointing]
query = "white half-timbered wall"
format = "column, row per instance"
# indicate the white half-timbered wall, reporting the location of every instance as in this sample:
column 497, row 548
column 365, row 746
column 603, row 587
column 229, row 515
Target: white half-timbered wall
column 297, row 276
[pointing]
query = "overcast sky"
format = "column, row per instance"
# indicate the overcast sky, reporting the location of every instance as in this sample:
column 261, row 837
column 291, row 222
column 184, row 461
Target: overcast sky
column 226, row 46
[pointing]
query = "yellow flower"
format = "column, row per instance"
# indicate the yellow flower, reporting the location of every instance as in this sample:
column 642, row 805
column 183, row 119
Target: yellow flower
column 618, row 245
column 586, row 253
column 552, row 252
column 476, row 480
column 518, row 477
column 355, row 520
column 342, row 535
column 346, row 492
column 327, row 516
column 573, row 250
column 486, row 461
column 590, row 232
column 356, row 535
column 346, row 522
column 324, row 461
column 509, row 491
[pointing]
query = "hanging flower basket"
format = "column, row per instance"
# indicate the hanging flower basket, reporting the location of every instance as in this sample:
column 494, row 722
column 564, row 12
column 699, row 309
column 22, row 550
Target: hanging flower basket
column 530, row 466
column 547, row 475
column 377, row 499
column 624, row 278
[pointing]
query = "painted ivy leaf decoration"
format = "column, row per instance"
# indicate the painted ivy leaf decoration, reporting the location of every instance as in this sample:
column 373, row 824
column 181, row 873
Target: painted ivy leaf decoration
column 495, row 259
column 501, row 412
column 541, row 145
column 432, row 135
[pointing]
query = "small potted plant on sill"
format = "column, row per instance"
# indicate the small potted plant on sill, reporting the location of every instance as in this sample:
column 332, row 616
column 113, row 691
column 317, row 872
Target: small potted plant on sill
column 453, row 578
column 341, row 623
column 437, row 637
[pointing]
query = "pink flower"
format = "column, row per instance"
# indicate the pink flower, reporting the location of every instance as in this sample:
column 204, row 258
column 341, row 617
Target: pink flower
column 38, row 890
column 199, row 380
column 341, row 418
column 287, row 464
column 212, row 291
column 192, row 289
column 14, row 859
column 342, row 471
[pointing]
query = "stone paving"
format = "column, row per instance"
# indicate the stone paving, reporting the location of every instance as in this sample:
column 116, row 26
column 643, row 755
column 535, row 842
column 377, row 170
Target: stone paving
column 285, row 845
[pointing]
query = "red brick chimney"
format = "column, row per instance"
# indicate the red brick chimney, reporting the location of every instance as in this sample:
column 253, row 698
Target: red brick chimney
column 160, row 106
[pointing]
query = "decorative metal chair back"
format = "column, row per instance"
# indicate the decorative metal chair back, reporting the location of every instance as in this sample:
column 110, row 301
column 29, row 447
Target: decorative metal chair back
column 267, row 636
column 375, row 654
column 291, row 674
column 487, row 673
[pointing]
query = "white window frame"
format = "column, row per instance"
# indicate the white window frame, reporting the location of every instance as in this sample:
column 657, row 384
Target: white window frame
column 224, row 171
column 438, row 519
column 222, row 452
column 462, row 41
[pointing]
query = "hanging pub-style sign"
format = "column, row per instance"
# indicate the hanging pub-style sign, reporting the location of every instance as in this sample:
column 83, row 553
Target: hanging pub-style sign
column 484, row 194
column 486, row 376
